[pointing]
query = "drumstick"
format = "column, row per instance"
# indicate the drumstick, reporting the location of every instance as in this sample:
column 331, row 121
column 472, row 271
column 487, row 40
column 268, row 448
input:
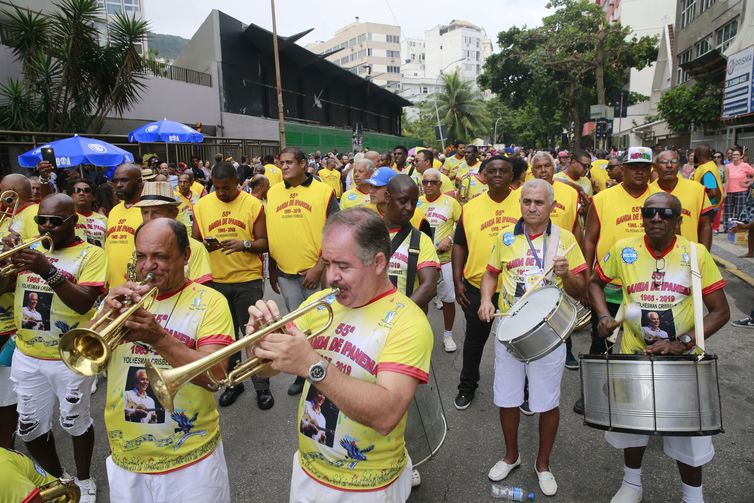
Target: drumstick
column 619, row 317
column 696, row 291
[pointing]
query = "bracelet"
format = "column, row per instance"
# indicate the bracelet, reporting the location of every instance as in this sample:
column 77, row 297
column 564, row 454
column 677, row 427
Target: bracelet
column 50, row 273
column 603, row 316
column 56, row 280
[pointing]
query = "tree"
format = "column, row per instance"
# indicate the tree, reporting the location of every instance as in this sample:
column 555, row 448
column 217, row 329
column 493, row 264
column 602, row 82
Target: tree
column 573, row 60
column 422, row 127
column 694, row 105
column 69, row 82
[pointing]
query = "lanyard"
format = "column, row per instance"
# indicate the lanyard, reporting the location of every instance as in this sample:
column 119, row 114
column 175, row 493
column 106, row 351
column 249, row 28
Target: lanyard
column 540, row 263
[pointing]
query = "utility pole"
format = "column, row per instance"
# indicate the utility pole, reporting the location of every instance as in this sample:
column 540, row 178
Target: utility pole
column 278, row 85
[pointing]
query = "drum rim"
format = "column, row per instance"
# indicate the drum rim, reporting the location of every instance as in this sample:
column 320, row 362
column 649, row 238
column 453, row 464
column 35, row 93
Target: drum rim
column 702, row 433
column 647, row 358
column 544, row 320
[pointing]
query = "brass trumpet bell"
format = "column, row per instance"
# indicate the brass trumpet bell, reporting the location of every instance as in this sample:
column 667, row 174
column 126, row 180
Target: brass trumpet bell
column 11, row 269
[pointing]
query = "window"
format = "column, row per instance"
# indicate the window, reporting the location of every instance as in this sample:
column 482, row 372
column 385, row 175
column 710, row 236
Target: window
column 352, row 42
column 477, row 55
column 369, row 52
column 113, row 7
column 362, row 38
column 703, row 46
column 726, row 34
column 393, row 54
column 688, row 12
column 684, row 57
column 706, row 4
column 424, row 90
column 393, row 39
column 393, row 69
column 131, row 6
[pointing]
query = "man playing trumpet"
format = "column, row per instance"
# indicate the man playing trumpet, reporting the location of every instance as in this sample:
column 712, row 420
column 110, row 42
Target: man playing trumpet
column 162, row 459
column 367, row 367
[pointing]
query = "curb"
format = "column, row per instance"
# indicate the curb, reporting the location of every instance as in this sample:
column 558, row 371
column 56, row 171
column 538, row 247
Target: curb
column 734, row 270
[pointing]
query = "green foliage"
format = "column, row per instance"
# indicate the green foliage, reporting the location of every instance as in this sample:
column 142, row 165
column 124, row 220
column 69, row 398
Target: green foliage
column 69, row 81
column 697, row 104
column 166, row 46
column 423, row 127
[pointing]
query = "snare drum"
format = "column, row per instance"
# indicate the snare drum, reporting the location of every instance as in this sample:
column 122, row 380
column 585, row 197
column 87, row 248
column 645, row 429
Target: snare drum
column 537, row 326
column 426, row 426
column 648, row 394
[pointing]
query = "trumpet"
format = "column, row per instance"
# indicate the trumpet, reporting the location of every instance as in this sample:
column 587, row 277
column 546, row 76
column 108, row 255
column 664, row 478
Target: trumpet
column 62, row 490
column 167, row 383
column 11, row 269
column 87, row 351
column 9, row 200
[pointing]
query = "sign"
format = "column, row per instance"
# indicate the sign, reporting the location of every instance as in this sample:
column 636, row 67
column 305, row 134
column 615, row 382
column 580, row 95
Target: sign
column 738, row 98
column 600, row 112
column 441, row 133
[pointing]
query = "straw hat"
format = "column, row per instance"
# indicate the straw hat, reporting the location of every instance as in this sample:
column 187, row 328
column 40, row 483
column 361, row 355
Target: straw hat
column 147, row 174
column 157, row 194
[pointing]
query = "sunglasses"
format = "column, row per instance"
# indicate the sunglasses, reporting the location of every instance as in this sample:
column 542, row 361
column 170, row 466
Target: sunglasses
column 54, row 220
column 82, row 190
column 665, row 162
column 665, row 213
column 430, row 182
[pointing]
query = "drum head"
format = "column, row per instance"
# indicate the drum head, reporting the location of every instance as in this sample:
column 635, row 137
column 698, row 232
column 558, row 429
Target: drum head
column 529, row 314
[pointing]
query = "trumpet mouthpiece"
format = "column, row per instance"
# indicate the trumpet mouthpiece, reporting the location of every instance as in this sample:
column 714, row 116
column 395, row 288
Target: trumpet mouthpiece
column 149, row 277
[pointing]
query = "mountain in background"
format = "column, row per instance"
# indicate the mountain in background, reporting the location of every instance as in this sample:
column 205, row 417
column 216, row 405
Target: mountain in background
column 165, row 46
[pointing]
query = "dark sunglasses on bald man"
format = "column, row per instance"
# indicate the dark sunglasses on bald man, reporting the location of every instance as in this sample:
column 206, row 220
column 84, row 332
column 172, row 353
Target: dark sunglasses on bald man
column 665, row 213
column 54, row 220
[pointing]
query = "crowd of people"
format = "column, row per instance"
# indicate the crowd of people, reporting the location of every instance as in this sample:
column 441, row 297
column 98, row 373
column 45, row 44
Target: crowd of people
column 392, row 234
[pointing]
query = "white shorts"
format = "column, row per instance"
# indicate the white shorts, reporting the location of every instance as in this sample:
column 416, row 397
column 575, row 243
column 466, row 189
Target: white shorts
column 205, row 480
column 7, row 394
column 692, row 451
column 544, row 379
column 38, row 383
column 446, row 292
column 305, row 489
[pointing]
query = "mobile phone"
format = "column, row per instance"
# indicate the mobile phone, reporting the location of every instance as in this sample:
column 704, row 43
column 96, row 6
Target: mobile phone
column 212, row 241
column 48, row 154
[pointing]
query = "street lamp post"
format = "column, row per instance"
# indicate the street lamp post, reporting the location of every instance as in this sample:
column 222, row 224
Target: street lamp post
column 434, row 99
column 494, row 131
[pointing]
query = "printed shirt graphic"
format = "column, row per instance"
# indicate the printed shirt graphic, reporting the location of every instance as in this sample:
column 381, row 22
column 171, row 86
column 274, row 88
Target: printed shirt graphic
column 331, row 177
column 566, row 206
column 472, row 186
column 389, row 334
column 353, row 198
column 694, row 203
column 398, row 266
column 513, row 260
column 483, row 220
column 119, row 243
column 20, row 477
column 82, row 263
column 442, row 214
column 197, row 316
column 295, row 219
column 666, row 292
column 92, row 228
column 233, row 220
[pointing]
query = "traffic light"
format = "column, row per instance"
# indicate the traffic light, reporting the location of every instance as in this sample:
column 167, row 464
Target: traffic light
column 600, row 129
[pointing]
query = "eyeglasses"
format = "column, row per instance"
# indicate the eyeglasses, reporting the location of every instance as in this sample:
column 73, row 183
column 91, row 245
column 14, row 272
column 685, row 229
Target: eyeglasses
column 82, row 190
column 54, row 220
column 665, row 162
column 430, row 182
column 717, row 156
column 665, row 213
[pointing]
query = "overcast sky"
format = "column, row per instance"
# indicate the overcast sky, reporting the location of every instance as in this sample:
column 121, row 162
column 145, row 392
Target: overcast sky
column 183, row 17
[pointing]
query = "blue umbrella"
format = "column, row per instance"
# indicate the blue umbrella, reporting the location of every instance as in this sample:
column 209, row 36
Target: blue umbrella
column 165, row 131
column 78, row 150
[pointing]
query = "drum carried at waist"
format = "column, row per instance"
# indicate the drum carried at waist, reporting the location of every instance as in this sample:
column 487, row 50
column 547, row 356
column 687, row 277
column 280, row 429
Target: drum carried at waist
column 535, row 326
column 648, row 394
column 426, row 426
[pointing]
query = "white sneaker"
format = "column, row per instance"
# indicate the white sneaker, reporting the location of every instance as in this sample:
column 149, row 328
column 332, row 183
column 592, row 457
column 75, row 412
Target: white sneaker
column 627, row 494
column 546, row 482
column 438, row 303
column 449, row 344
column 416, row 479
column 88, row 490
column 502, row 469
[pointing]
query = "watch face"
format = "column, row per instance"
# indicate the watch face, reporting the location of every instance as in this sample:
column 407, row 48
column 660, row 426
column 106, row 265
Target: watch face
column 685, row 338
column 317, row 372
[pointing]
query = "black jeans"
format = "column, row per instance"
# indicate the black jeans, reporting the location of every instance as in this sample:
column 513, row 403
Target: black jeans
column 477, row 333
column 599, row 344
column 240, row 296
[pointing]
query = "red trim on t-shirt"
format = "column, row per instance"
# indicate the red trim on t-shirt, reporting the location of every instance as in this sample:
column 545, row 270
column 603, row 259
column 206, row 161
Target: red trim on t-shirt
column 601, row 273
column 394, row 229
column 204, row 279
column 76, row 241
column 383, row 294
column 402, row 368
column 163, row 297
column 577, row 270
column 365, row 193
column 662, row 255
column 33, row 494
column 85, row 214
column 535, row 236
column 494, row 270
column 713, row 287
column 432, row 263
column 219, row 339
column 433, row 200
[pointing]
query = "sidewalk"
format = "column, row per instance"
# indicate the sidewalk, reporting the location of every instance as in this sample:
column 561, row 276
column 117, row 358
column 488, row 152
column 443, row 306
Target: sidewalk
column 726, row 254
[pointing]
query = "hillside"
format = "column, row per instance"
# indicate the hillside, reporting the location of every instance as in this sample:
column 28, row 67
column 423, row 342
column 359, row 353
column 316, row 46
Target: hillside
column 166, row 46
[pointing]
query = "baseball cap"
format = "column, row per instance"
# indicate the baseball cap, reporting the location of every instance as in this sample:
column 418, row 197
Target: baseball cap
column 563, row 153
column 381, row 177
column 157, row 194
column 638, row 155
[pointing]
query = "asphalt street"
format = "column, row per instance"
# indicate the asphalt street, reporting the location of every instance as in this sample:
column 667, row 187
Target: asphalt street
column 259, row 445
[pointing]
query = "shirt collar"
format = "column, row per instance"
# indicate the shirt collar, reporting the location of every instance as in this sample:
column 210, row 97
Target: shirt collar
column 519, row 227
column 305, row 183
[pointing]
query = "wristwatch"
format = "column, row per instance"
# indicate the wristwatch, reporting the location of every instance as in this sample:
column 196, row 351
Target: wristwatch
column 247, row 245
column 318, row 371
column 686, row 340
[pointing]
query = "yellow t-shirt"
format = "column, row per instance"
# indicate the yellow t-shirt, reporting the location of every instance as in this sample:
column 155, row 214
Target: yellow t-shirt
column 464, row 169
column 295, row 219
column 436, row 163
column 450, row 166
column 666, row 292
column 710, row 167
column 197, row 316
column 92, row 228
column 583, row 182
column 7, row 321
column 353, row 198
column 197, row 189
column 483, row 219
column 416, row 220
column 273, row 174
column 599, row 174
column 566, row 206
column 331, row 177
column 472, row 186
column 119, row 243
column 233, row 220
column 694, row 203
column 398, row 266
column 198, row 269
column 40, row 328
column 389, row 334
column 442, row 214
column 20, row 477
column 512, row 256
column 23, row 223
column 529, row 175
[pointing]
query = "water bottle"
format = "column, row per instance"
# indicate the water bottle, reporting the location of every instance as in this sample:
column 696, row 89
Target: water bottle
column 501, row 492
column 731, row 235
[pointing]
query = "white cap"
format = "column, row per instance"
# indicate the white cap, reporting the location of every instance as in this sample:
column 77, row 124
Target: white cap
column 638, row 155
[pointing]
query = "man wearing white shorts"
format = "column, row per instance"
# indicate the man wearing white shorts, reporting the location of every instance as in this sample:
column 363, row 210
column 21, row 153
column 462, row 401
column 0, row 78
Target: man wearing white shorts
column 442, row 213
column 522, row 253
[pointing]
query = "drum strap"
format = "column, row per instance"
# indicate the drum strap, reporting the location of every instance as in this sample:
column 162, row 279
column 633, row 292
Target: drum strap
column 413, row 255
column 552, row 249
